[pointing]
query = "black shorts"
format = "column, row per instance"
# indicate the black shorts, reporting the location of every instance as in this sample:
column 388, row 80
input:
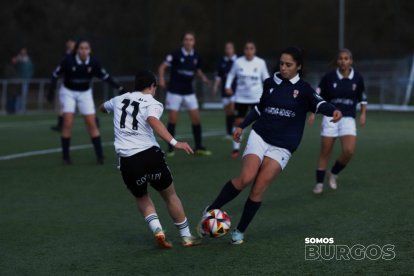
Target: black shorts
column 241, row 109
column 143, row 168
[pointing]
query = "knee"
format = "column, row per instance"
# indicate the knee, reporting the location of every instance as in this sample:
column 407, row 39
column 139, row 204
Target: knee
column 348, row 153
column 242, row 182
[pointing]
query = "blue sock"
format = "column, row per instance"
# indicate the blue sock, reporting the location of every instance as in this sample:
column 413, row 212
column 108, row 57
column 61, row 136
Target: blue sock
column 337, row 168
column 249, row 211
column 227, row 194
column 320, row 176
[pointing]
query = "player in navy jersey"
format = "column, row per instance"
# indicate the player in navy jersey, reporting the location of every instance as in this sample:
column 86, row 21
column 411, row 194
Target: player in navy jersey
column 279, row 123
column 343, row 87
column 223, row 68
column 184, row 63
column 77, row 71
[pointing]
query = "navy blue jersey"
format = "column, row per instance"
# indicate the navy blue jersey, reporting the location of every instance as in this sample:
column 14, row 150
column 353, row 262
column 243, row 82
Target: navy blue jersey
column 77, row 75
column 183, row 68
column 223, row 68
column 344, row 93
column 283, row 108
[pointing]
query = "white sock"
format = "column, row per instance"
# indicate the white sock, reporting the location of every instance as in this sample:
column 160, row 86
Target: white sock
column 184, row 228
column 153, row 222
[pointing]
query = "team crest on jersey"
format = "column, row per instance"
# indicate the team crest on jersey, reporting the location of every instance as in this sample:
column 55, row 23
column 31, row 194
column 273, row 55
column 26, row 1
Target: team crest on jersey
column 195, row 61
column 271, row 90
column 354, row 86
column 295, row 93
column 335, row 85
column 89, row 69
column 74, row 68
column 182, row 60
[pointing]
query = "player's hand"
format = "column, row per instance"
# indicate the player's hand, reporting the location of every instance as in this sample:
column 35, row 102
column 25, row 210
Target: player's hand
column 362, row 120
column 228, row 91
column 207, row 82
column 161, row 83
column 311, row 119
column 237, row 133
column 337, row 115
column 185, row 147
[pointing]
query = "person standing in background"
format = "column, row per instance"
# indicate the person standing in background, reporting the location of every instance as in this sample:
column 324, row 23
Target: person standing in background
column 24, row 68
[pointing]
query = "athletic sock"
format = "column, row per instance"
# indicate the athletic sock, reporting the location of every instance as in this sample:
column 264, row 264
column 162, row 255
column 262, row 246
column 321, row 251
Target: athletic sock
column 60, row 122
column 229, row 124
column 249, row 211
column 320, row 176
column 337, row 168
column 184, row 228
column 197, row 136
column 65, row 142
column 228, row 193
column 97, row 144
column 153, row 222
column 171, row 129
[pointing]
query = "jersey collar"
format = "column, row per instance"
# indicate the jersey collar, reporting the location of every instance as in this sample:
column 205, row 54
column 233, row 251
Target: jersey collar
column 278, row 80
column 340, row 76
column 79, row 61
column 185, row 53
column 233, row 58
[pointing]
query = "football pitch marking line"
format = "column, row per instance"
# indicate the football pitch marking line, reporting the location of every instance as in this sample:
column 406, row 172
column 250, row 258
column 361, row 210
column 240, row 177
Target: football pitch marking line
column 212, row 133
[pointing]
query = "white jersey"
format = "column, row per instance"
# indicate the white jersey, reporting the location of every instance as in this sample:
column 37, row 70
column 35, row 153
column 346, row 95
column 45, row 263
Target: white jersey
column 133, row 134
column 250, row 75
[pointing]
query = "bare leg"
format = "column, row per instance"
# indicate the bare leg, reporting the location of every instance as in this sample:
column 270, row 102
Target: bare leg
column 174, row 205
column 348, row 143
column 327, row 144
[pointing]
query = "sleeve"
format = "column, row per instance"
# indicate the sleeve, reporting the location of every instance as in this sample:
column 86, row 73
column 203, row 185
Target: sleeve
column 199, row 62
column 318, row 105
column 109, row 105
column 231, row 75
column 154, row 110
column 265, row 72
column 362, row 97
column 101, row 73
column 59, row 70
column 322, row 88
column 255, row 112
column 169, row 59
column 218, row 73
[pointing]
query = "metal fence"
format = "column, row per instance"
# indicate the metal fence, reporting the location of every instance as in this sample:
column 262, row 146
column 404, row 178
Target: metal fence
column 386, row 84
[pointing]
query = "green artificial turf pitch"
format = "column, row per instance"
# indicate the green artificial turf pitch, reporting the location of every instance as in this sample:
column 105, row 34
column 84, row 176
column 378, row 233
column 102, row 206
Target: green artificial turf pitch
column 80, row 219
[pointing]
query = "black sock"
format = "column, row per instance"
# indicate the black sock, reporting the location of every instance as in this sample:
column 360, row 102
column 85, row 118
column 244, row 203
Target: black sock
column 229, row 124
column 320, row 176
column 337, row 168
column 65, row 142
column 250, row 209
column 171, row 129
column 60, row 121
column 228, row 193
column 97, row 144
column 197, row 136
column 98, row 124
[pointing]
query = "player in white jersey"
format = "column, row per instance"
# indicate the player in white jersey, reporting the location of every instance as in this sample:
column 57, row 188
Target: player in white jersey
column 250, row 72
column 142, row 162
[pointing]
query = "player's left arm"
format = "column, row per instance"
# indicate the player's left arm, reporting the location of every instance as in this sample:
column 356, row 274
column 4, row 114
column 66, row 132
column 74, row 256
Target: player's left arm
column 107, row 107
column 363, row 101
column 319, row 105
column 101, row 73
column 203, row 77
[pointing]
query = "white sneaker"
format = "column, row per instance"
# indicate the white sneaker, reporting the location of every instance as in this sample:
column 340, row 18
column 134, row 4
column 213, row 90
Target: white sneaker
column 237, row 237
column 318, row 188
column 332, row 181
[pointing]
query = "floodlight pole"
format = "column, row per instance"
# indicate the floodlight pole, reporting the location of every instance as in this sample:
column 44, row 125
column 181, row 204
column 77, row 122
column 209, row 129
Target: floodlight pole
column 341, row 33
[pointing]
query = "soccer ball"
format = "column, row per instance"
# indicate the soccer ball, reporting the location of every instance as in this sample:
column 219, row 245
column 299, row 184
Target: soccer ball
column 215, row 223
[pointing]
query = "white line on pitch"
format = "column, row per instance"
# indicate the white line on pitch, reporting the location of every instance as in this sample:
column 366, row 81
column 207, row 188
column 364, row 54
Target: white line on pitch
column 87, row 146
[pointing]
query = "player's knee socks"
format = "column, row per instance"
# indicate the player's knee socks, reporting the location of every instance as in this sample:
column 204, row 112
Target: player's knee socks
column 337, row 168
column 184, row 228
column 97, row 144
column 65, row 142
column 229, row 124
column 171, row 129
column 249, row 211
column 153, row 222
column 228, row 193
column 60, row 121
column 197, row 136
column 320, row 176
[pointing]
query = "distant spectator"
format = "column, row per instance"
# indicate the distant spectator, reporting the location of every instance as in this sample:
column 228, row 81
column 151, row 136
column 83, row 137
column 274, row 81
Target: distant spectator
column 24, row 68
column 9, row 72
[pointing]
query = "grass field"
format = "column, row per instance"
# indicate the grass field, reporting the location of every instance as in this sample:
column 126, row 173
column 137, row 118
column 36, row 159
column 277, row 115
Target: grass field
column 79, row 219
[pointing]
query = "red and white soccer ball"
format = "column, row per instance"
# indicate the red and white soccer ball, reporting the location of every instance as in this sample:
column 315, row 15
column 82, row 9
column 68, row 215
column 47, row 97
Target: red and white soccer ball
column 215, row 223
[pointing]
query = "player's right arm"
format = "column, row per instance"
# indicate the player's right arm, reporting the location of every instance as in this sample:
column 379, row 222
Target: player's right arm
column 162, row 131
column 55, row 76
column 161, row 70
column 230, row 77
column 107, row 107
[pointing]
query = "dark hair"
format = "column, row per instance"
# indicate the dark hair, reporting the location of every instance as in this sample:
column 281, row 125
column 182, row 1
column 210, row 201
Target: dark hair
column 297, row 55
column 249, row 42
column 188, row 33
column 78, row 43
column 144, row 79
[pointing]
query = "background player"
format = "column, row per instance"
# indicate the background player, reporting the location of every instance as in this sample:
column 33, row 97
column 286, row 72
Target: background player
column 185, row 63
column 223, row 68
column 343, row 87
column 250, row 72
column 280, row 119
column 142, row 162
column 77, row 71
